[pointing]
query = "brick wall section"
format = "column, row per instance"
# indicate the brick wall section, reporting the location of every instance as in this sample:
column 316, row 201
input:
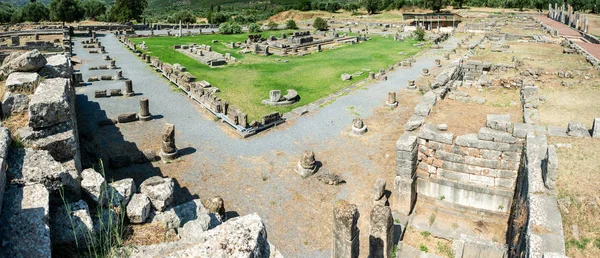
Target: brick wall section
column 475, row 171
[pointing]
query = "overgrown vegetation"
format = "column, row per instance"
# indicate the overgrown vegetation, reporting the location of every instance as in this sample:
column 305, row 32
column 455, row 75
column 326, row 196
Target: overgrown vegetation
column 107, row 237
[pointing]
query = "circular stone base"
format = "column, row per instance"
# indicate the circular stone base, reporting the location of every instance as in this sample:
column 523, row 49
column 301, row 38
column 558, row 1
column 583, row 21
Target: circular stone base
column 168, row 156
column 129, row 94
column 145, row 118
column 305, row 172
column 395, row 104
column 425, row 74
column 359, row 131
column 412, row 87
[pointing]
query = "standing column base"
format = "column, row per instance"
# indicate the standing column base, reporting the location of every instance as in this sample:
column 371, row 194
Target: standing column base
column 145, row 118
column 166, row 157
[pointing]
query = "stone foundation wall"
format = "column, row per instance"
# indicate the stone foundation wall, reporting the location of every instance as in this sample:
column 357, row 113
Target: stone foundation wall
column 535, row 226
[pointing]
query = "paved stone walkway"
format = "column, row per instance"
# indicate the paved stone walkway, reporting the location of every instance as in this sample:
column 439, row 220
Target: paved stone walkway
column 566, row 31
column 215, row 153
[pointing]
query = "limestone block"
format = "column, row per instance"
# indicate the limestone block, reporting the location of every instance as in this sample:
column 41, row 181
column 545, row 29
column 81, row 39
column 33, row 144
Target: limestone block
column 430, row 132
column 5, row 142
column 159, row 190
column 192, row 230
column 404, row 195
column 30, row 61
column 94, row 185
column 57, row 66
column 557, row 131
column 22, row 82
column 14, row 103
column 596, row 128
column 122, row 190
column 488, row 134
column 521, row 129
column 577, row 129
column 381, row 233
column 378, row 189
column 28, row 167
column 59, row 140
column 49, row 104
column 499, row 122
column 345, row 231
column 176, row 217
column 346, row 77
column 72, row 225
column 127, row 117
column 551, row 173
column 414, row 122
column 25, row 230
column 243, row 236
column 138, row 208
column 422, row 109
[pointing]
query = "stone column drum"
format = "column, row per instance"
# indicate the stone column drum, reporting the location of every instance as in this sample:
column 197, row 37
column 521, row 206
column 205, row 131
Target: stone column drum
column 129, row 88
column 391, row 101
column 168, row 150
column 358, row 126
column 381, row 234
column 345, row 230
column 145, row 110
column 406, row 165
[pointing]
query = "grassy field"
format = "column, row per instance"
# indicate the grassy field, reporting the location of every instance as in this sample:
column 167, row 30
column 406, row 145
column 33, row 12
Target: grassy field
column 314, row 76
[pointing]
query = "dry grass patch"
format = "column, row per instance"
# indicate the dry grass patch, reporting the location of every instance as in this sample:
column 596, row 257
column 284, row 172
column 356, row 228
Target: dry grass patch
column 578, row 185
column 424, row 241
column 564, row 105
column 149, row 234
column 467, row 118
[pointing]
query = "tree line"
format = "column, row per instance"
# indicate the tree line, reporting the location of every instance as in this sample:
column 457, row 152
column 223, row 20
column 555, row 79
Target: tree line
column 73, row 10
column 242, row 12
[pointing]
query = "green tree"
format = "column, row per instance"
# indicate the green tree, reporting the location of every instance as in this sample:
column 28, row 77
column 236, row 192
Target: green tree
column 291, row 25
column 127, row 10
column 305, row 5
column 254, row 28
column 230, row 28
column 437, row 5
column 419, row 34
column 185, row 16
column 272, row 25
column 218, row 18
column 320, row 24
column 94, row 8
column 458, row 3
column 372, row 6
column 6, row 12
column 34, row 12
column 66, row 10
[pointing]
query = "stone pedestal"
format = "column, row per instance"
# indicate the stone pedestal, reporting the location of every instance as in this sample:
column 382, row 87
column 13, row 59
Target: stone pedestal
column 113, row 64
column 381, row 234
column 119, row 75
column 426, row 72
column 168, row 150
column 128, row 89
column 78, row 77
column 371, row 76
column 391, row 100
column 345, row 230
column 438, row 63
column 307, row 164
column 358, row 127
column 102, row 49
column 145, row 110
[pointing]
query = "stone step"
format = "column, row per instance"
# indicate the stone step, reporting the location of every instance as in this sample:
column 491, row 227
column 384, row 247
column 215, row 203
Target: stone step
column 24, row 228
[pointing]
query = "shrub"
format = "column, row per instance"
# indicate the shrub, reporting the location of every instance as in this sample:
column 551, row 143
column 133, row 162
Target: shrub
column 254, row 28
column 320, row 24
column 419, row 34
column 273, row 25
column 230, row 28
column 291, row 25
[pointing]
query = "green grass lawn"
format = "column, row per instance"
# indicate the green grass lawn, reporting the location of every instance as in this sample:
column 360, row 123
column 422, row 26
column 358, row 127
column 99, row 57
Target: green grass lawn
column 314, row 76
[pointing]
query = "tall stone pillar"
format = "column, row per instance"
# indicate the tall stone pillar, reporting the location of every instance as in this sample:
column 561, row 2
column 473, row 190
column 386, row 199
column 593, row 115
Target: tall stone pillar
column 406, row 164
column 145, row 110
column 381, row 234
column 180, row 30
column 345, row 231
